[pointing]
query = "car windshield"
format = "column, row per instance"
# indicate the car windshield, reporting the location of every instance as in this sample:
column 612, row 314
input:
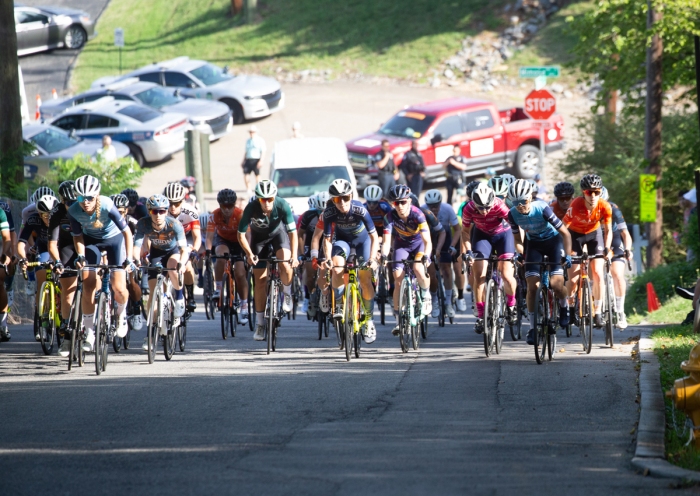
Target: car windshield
column 140, row 113
column 210, row 74
column 407, row 125
column 158, row 97
column 52, row 141
column 304, row 182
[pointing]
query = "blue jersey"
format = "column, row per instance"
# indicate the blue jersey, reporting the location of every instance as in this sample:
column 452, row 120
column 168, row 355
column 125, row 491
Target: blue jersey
column 349, row 225
column 171, row 236
column 378, row 213
column 408, row 229
column 540, row 224
column 83, row 223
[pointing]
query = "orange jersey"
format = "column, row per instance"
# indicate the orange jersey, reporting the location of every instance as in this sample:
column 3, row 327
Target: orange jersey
column 226, row 230
column 580, row 220
column 556, row 208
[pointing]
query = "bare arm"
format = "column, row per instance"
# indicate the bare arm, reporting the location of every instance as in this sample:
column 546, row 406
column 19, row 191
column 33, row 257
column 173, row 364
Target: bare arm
column 386, row 244
column 209, row 241
column 566, row 237
column 466, row 239
column 196, row 238
column 316, row 239
column 53, row 250
column 440, row 242
column 457, row 235
column 456, row 165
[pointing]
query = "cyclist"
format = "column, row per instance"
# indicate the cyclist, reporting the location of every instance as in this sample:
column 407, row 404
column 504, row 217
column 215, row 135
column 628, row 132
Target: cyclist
column 268, row 217
column 222, row 239
column 547, row 236
column 136, row 207
column 584, row 219
column 28, row 211
column 406, row 231
column 189, row 183
column 5, row 259
column 97, row 227
column 189, row 218
column 622, row 250
column 500, row 186
column 376, row 205
column 8, row 269
column 453, row 233
column 563, row 196
column 460, row 278
column 488, row 216
column 306, row 225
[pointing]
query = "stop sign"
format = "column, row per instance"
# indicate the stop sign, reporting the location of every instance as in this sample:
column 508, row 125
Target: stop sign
column 540, row 104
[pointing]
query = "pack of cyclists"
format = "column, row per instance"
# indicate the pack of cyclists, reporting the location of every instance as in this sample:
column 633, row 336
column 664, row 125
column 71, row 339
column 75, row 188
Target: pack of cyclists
column 76, row 230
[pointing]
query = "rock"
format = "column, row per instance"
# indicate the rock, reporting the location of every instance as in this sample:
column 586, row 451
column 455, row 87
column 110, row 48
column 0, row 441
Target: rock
column 453, row 83
column 530, row 28
column 449, row 74
column 435, row 82
column 514, row 20
column 557, row 88
column 487, row 88
column 568, row 94
column 493, row 82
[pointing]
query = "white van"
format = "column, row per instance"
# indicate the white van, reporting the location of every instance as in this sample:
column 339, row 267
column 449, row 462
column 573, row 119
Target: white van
column 301, row 167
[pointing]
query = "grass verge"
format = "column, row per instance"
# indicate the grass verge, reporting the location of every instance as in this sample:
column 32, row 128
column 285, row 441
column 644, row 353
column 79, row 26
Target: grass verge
column 672, row 345
column 673, row 311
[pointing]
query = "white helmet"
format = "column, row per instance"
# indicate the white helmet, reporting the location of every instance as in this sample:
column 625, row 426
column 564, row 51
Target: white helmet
column 520, row 190
column 87, row 186
column 47, row 203
column 604, row 193
column 483, row 196
column 41, row 191
column 175, row 192
column 433, row 196
column 322, row 198
column 265, row 189
column 373, row 193
column 313, row 202
column 340, row 187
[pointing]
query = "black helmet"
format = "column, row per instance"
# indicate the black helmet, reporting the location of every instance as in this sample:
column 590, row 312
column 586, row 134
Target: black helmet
column 399, row 192
column 591, row 181
column 564, row 188
column 67, row 190
column 132, row 195
column 120, row 201
column 471, row 187
column 226, row 197
column 414, row 200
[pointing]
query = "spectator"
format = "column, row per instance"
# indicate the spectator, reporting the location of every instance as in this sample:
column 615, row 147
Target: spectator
column 542, row 193
column 456, row 167
column 414, row 167
column 296, row 130
column 107, row 153
column 254, row 154
column 388, row 173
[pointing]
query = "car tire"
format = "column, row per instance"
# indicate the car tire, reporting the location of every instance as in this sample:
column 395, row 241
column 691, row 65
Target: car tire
column 236, row 109
column 137, row 154
column 75, row 38
column 527, row 162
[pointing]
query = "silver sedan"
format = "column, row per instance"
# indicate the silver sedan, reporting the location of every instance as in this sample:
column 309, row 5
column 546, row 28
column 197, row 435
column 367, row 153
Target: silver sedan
column 46, row 28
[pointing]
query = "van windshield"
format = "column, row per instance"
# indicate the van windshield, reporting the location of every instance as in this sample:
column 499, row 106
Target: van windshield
column 303, row 182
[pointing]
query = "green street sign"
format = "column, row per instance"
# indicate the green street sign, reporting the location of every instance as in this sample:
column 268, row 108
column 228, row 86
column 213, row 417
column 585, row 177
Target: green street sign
column 552, row 71
column 647, row 198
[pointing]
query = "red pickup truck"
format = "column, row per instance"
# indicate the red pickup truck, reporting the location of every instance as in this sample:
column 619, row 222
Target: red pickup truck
column 505, row 140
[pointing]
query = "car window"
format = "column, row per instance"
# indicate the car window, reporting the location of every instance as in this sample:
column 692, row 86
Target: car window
column 88, row 98
column 449, row 126
column 140, row 113
column 95, row 121
column 210, row 74
column 178, row 80
column 27, row 17
column 158, row 97
column 53, row 141
column 123, row 98
column 407, row 124
column 481, row 119
column 151, row 77
column 304, row 182
column 69, row 122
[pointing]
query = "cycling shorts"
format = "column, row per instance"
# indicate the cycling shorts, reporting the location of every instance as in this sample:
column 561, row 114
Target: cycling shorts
column 114, row 247
column 267, row 245
column 403, row 250
column 593, row 241
column 618, row 248
column 361, row 246
column 160, row 257
column 552, row 248
column 233, row 248
column 68, row 256
column 484, row 244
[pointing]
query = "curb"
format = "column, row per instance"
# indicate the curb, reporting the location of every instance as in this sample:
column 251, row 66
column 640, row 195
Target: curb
column 650, row 452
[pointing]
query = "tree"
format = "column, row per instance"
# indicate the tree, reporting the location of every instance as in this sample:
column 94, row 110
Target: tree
column 11, row 144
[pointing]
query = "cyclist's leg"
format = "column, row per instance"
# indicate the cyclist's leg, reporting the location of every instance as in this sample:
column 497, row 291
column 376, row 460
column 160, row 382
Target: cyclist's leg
column 504, row 245
column 68, row 282
column 221, row 247
column 241, row 276
column 339, row 253
column 90, row 284
column 596, row 247
column 188, row 279
column 481, row 247
column 575, row 269
column 617, row 269
column 362, row 249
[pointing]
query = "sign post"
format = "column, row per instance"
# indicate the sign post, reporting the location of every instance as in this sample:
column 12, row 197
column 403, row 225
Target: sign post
column 119, row 43
column 540, row 104
column 647, row 198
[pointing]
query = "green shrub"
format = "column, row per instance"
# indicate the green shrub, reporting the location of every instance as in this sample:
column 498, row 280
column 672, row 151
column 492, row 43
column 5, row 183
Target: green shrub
column 664, row 279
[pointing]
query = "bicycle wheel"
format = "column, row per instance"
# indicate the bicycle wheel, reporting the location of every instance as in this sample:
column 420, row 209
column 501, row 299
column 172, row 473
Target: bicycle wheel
column 382, row 294
column 209, row 306
column 540, row 330
column 252, row 315
column 182, row 335
column 116, row 344
column 500, row 321
column 233, row 309
column 553, row 323
column 170, row 339
column 348, row 320
column 74, row 326
column 224, row 306
column 608, row 309
column 46, row 320
column 126, row 339
column 270, row 316
column 424, row 327
column 415, row 330
column 320, row 322
column 154, row 320
column 516, row 329
column 490, row 317
column 586, row 316
column 441, row 301
column 102, row 323
column 404, row 314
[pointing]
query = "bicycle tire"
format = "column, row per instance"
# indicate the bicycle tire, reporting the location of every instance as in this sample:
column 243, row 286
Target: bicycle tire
column 169, row 341
column 224, row 306
column 500, row 322
column 209, row 306
column 252, row 315
column 116, row 344
column 182, row 336
column 348, row 320
column 404, row 314
column 154, row 316
column 540, row 331
column 382, row 295
column 321, row 319
column 587, row 317
column 269, row 316
column 517, row 328
column 46, row 322
column 441, row 298
column 126, row 340
column 553, row 323
column 101, row 331
column 74, row 324
column 415, row 330
column 609, row 292
column 424, row 327
column 489, row 322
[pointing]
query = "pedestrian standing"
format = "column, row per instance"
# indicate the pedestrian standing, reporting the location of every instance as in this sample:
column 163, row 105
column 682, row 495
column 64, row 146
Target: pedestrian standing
column 107, row 153
column 254, row 154
column 455, row 170
column 296, row 130
column 388, row 173
column 414, row 167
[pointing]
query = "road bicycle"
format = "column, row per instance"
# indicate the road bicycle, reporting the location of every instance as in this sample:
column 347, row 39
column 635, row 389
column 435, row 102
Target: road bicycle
column 410, row 304
column 297, row 293
column 227, row 299
column 161, row 315
column 323, row 319
column 252, row 314
column 355, row 314
column 48, row 311
column 610, row 311
column 520, row 301
column 583, row 301
column 133, row 308
column 383, row 296
column 208, row 284
column 275, row 299
column 440, row 293
column 74, row 325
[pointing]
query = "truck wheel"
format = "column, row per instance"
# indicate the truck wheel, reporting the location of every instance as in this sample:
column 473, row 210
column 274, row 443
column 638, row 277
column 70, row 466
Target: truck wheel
column 137, row 154
column 527, row 162
column 238, row 115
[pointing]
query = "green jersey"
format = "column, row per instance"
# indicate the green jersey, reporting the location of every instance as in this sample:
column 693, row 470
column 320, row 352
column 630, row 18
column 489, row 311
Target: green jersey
column 254, row 217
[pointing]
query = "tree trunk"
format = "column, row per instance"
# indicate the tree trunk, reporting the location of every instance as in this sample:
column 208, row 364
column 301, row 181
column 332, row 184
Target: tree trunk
column 652, row 148
column 12, row 170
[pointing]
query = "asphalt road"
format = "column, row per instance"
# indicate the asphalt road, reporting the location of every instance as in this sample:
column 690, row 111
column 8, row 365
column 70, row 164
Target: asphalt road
column 225, row 418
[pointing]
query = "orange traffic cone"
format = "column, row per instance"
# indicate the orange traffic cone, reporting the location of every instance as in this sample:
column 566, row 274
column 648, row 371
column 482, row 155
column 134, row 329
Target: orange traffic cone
column 37, row 114
column 652, row 300
column 54, row 94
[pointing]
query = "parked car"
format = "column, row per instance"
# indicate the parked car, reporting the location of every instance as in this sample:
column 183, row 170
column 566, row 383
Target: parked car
column 489, row 138
column 46, row 28
column 301, row 167
column 248, row 97
column 213, row 118
column 51, row 143
column 151, row 135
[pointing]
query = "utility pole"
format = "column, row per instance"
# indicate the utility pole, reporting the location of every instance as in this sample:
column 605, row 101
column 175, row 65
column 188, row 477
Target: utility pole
column 12, row 170
column 652, row 141
column 250, row 6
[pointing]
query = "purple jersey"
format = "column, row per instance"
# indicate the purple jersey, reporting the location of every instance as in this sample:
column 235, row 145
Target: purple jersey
column 409, row 229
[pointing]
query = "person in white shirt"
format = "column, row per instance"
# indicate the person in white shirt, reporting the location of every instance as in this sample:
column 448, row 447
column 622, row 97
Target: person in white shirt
column 254, row 154
column 107, row 153
column 296, row 130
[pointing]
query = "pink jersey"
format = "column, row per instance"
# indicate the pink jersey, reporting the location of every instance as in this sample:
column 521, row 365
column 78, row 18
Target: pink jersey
column 494, row 222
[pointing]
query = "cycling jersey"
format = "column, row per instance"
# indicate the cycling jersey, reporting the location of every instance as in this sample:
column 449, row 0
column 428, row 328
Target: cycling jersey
column 350, row 225
column 254, row 217
column 140, row 210
column 460, row 209
column 579, row 219
column 59, row 227
column 539, row 224
column 83, row 223
column 618, row 221
column 171, row 236
column 35, row 226
column 446, row 215
column 556, row 208
column 227, row 230
column 27, row 212
column 307, row 224
column 189, row 218
column 434, row 225
column 378, row 212
column 4, row 223
column 618, row 225
column 131, row 222
column 7, row 209
column 408, row 229
column 493, row 222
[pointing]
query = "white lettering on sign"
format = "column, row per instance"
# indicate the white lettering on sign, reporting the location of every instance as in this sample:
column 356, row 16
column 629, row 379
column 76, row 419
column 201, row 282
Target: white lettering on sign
column 442, row 153
column 481, row 147
column 540, row 104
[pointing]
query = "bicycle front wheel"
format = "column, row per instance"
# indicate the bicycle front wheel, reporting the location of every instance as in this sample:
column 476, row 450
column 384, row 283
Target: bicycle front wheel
column 154, row 318
column 209, row 306
column 102, row 323
column 74, row 327
column 252, row 316
column 490, row 317
column 440, row 302
column 541, row 323
column 170, row 339
column 404, row 314
column 500, row 321
column 270, row 316
column 586, row 306
column 225, row 306
column 47, row 323
column 415, row 329
column 348, row 320
column 552, row 328
column 609, row 309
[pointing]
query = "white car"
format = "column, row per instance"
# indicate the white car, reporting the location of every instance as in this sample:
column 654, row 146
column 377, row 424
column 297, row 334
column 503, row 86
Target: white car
column 248, row 97
column 301, row 167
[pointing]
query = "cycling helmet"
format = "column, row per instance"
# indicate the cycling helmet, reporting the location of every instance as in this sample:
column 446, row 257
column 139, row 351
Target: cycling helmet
column 433, row 196
column 373, row 193
column 591, row 181
column 520, row 190
column 226, row 196
column 175, row 192
column 132, row 195
column 120, row 201
column 47, row 204
column 322, row 198
column 265, row 189
column 399, row 192
column 41, row 191
column 499, row 186
column 509, row 177
column 604, row 193
column 564, row 189
column 340, row 187
column 188, row 182
column 483, row 196
column 414, row 200
column 67, row 190
column 471, row 187
column 87, row 186
column 313, row 202
column 156, row 202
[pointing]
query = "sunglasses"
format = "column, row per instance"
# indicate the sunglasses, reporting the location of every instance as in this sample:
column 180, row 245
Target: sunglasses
column 175, row 204
column 564, row 198
column 592, row 192
column 266, row 200
column 483, row 209
column 401, row 202
column 519, row 203
column 82, row 198
column 344, row 199
column 159, row 211
column 68, row 203
column 227, row 206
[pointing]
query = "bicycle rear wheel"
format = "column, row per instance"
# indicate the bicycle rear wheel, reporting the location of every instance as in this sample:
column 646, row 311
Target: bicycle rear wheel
column 233, row 310
column 102, row 323
column 541, row 331
column 47, row 325
column 415, row 329
column 490, row 317
column 441, row 299
column 552, row 327
column 382, row 293
column 404, row 314
column 608, row 309
column 500, row 321
column 321, row 320
column 270, row 316
column 586, row 317
column 516, row 329
column 252, row 316
column 209, row 306
column 170, row 340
